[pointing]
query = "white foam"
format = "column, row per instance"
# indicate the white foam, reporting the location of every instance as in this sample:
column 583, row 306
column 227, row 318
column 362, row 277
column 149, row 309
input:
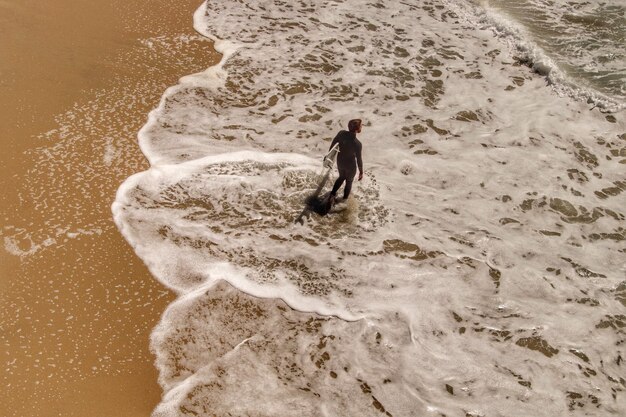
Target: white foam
column 478, row 255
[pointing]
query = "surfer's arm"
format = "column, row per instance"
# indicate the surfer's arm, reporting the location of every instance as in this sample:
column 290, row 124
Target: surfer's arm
column 359, row 161
column 334, row 142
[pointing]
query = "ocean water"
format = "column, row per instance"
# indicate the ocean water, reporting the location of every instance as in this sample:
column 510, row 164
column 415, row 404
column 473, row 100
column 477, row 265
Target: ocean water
column 480, row 267
column 577, row 45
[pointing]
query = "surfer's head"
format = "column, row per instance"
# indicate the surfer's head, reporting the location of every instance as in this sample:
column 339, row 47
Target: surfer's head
column 354, row 125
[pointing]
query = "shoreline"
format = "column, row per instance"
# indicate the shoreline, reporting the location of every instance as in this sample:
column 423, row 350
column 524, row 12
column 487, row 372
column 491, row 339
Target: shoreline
column 78, row 306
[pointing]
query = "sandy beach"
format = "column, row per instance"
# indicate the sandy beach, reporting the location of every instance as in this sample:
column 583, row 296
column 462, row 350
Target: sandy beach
column 76, row 307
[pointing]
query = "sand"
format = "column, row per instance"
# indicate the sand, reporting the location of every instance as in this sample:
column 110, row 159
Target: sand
column 76, row 305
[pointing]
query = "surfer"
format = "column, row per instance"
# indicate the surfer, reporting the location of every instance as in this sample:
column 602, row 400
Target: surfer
column 349, row 158
column 347, row 149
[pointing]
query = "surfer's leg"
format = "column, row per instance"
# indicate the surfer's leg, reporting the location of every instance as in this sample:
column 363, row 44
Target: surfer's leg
column 349, row 175
column 337, row 185
column 348, row 188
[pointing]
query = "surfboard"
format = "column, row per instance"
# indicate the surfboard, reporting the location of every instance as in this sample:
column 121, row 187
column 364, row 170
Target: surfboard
column 314, row 202
column 331, row 157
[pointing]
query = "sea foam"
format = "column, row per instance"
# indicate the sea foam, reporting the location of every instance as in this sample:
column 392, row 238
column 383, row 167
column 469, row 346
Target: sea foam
column 482, row 267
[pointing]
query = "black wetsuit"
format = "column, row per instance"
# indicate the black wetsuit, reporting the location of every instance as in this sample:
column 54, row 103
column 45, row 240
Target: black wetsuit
column 348, row 160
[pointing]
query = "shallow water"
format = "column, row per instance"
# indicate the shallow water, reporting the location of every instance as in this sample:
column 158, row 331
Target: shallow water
column 479, row 269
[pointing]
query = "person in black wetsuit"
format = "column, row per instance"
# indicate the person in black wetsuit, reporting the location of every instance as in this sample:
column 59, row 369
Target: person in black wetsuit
column 349, row 158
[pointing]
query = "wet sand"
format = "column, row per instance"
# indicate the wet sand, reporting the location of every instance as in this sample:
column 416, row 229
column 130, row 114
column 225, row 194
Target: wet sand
column 76, row 306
